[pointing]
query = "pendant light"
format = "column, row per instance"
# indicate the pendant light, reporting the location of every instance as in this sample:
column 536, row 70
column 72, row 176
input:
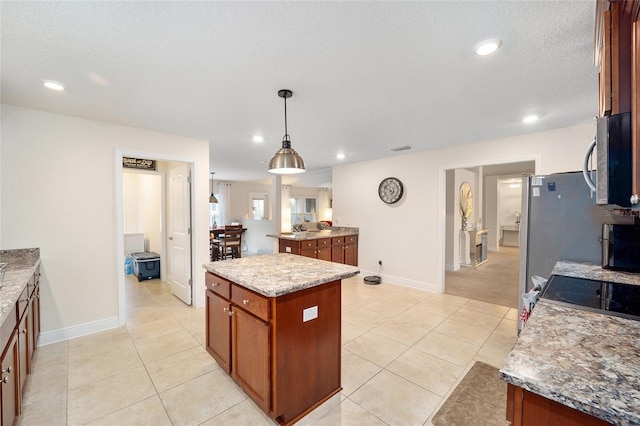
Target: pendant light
column 212, row 198
column 286, row 161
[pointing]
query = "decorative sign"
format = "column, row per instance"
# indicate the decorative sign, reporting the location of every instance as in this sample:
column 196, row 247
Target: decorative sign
column 138, row 163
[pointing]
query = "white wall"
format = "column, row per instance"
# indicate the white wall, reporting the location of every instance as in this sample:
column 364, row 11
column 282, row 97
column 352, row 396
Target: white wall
column 509, row 202
column 59, row 188
column 409, row 236
column 491, row 212
column 143, row 207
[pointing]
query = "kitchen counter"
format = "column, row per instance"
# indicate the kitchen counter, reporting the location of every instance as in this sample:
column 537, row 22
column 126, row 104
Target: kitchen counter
column 274, row 275
column 581, row 359
column 316, row 235
column 22, row 263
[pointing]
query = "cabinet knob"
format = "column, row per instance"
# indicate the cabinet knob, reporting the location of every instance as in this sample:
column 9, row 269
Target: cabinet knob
column 8, row 370
column 24, row 331
column 215, row 284
column 245, row 301
column 634, row 199
column 5, row 380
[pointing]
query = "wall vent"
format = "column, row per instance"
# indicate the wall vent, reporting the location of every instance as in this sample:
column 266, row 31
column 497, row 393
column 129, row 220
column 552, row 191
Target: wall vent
column 400, row 148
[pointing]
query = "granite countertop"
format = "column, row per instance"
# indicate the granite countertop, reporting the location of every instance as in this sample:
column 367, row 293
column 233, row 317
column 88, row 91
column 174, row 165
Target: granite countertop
column 585, row 360
column 22, row 263
column 316, row 235
column 278, row 274
column 594, row 271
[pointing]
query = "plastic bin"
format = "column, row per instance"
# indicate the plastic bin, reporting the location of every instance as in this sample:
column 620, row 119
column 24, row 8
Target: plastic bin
column 146, row 265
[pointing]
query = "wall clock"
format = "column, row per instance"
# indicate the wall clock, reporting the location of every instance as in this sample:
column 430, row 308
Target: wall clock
column 390, row 190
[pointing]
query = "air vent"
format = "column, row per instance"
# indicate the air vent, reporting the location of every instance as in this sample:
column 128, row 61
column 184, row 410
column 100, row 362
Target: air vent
column 400, row 148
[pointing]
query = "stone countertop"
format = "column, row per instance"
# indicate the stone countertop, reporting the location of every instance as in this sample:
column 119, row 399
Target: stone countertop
column 316, row 235
column 274, row 275
column 594, row 271
column 22, row 263
column 585, row 360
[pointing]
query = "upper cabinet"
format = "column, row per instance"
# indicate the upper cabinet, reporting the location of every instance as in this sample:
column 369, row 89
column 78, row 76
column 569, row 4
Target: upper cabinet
column 617, row 53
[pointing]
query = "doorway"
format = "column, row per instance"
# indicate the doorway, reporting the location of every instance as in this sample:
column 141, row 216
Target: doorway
column 496, row 280
column 157, row 205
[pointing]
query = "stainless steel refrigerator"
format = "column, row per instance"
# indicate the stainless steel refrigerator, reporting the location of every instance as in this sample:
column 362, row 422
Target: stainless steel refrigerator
column 559, row 221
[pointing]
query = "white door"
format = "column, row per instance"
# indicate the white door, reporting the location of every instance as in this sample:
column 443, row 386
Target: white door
column 179, row 273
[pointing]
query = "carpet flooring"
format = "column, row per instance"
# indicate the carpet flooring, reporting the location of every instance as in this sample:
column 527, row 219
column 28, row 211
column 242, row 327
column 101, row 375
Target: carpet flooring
column 480, row 399
column 495, row 281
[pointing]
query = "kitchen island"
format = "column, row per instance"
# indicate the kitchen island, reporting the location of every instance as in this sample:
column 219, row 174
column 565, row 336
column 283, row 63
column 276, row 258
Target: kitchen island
column 273, row 322
column 573, row 366
column 339, row 244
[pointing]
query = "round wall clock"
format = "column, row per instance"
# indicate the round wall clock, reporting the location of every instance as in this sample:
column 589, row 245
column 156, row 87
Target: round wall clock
column 390, row 190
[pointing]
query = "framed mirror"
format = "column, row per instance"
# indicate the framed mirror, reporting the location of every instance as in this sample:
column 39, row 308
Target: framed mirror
column 466, row 202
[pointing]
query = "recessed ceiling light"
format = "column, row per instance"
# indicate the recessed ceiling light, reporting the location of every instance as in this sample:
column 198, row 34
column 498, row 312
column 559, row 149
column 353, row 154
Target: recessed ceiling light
column 487, row 47
column 530, row 119
column 340, row 156
column 258, row 138
column 53, row 85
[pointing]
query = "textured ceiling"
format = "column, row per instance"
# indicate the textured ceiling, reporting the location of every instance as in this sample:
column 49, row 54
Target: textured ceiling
column 366, row 76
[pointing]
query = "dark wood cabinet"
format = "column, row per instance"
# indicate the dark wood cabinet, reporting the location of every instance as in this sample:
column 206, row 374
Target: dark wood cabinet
column 284, row 352
column 337, row 249
column 19, row 340
column 618, row 57
column 525, row 408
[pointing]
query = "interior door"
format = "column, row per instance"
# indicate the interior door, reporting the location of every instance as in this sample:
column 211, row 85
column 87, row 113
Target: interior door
column 179, row 202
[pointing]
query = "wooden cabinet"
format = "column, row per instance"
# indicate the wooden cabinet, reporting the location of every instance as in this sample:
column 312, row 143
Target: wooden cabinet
column 618, row 57
column 525, row 408
column 19, row 339
column 336, row 249
column 284, row 352
column 345, row 250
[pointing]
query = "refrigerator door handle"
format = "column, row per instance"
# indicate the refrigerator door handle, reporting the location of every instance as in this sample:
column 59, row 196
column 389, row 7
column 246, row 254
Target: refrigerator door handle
column 585, row 168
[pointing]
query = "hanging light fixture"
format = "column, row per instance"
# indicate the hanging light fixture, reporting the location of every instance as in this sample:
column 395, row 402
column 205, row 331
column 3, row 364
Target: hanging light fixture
column 212, row 198
column 286, row 161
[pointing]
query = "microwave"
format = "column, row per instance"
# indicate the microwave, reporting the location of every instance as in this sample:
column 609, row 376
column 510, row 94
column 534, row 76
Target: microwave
column 621, row 247
column 614, row 149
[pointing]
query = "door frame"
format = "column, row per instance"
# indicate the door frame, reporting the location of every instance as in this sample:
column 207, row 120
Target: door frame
column 197, row 293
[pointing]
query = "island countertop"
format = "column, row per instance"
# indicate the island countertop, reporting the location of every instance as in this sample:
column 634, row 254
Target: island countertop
column 584, row 360
column 316, row 235
column 274, row 275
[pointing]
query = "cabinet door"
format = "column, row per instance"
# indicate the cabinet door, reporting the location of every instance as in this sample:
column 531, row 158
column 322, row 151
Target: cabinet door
column 9, row 382
column 218, row 328
column 337, row 250
column 311, row 252
column 24, row 351
column 324, row 253
column 34, row 323
column 351, row 250
column 251, row 360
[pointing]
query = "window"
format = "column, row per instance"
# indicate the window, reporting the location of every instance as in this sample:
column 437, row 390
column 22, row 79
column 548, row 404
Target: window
column 259, row 206
column 303, row 210
column 214, row 214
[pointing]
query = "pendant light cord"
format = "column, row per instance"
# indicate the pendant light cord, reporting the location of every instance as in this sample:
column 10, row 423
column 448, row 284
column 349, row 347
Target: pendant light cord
column 286, row 131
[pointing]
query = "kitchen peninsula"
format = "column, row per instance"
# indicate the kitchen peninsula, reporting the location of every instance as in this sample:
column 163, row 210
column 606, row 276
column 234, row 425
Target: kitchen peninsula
column 339, row 244
column 273, row 322
column 575, row 367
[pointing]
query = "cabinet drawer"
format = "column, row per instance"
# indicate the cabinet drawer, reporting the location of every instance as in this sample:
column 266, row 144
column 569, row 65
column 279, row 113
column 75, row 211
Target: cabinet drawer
column 218, row 285
column 287, row 246
column 256, row 304
column 351, row 239
column 324, row 242
column 307, row 244
column 337, row 240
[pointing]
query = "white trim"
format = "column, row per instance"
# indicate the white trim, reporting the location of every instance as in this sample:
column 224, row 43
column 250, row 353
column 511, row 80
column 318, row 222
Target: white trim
column 391, row 279
column 54, row 336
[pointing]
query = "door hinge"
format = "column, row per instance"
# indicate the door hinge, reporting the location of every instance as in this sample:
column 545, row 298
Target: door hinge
column 189, row 178
column 189, row 230
column 190, row 282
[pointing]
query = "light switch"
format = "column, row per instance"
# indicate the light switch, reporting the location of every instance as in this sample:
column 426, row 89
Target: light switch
column 310, row 314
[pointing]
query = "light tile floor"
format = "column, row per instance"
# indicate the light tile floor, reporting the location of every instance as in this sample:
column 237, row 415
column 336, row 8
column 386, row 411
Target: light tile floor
column 404, row 351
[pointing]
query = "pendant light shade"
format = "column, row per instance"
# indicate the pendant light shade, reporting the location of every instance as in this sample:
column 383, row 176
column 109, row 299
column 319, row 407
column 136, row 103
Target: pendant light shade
column 212, row 198
column 286, row 161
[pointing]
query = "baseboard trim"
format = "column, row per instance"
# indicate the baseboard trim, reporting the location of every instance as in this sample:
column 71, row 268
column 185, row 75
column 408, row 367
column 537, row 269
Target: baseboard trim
column 403, row 281
column 60, row 335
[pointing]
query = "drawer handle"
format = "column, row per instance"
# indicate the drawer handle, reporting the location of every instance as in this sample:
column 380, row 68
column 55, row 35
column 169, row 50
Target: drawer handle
column 8, row 370
column 245, row 301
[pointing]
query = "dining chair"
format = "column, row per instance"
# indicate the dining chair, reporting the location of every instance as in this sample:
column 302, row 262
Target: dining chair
column 231, row 244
